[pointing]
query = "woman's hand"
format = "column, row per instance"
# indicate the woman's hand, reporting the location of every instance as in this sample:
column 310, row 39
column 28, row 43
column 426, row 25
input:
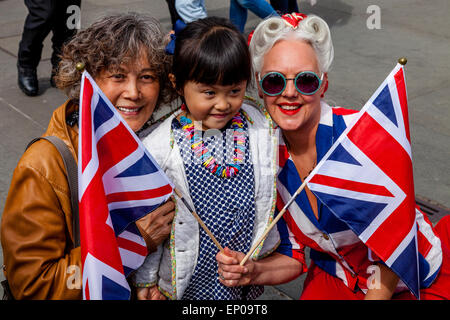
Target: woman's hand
column 385, row 286
column 155, row 227
column 231, row 274
column 150, row 293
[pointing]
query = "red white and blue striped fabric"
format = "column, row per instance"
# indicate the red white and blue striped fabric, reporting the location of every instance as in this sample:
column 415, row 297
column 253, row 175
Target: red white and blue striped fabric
column 365, row 180
column 118, row 183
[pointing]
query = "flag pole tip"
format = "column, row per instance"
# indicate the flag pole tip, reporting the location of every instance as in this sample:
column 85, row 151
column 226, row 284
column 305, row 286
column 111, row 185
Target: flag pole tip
column 402, row 61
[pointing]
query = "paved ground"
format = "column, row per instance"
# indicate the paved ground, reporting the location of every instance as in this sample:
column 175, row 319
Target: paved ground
column 363, row 57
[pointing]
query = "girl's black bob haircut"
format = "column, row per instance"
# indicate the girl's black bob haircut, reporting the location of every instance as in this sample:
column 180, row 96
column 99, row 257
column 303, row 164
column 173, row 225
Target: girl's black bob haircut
column 211, row 51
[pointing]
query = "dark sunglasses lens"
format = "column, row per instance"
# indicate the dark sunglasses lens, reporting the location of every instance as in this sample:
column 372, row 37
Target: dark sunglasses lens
column 307, row 83
column 272, row 83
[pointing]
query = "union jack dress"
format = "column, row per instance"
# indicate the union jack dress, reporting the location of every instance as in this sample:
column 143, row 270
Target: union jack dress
column 335, row 248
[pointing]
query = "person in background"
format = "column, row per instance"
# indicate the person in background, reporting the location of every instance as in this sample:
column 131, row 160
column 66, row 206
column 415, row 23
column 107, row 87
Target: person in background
column 238, row 11
column 284, row 6
column 124, row 53
column 174, row 16
column 191, row 10
column 43, row 16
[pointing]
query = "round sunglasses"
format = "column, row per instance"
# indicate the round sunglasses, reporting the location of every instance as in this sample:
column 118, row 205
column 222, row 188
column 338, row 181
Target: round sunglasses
column 306, row 82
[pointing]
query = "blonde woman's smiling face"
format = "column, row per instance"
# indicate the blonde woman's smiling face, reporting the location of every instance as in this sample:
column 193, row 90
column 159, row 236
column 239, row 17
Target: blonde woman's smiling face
column 292, row 110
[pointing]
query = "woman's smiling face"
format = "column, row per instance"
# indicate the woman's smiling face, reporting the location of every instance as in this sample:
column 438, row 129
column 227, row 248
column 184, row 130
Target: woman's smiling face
column 292, row 110
column 133, row 89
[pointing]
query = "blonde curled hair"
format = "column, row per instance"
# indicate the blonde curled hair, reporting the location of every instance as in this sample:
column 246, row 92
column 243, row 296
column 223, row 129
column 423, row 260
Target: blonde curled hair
column 312, row 29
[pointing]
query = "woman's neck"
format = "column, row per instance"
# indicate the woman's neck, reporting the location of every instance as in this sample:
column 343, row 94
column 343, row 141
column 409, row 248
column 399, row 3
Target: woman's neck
column 301, row 141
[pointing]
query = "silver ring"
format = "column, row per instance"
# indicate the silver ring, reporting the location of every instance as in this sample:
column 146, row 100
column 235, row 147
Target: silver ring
column 221, row 276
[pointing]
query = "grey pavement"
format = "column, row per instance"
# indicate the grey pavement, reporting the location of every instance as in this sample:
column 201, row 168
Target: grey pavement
column 417, row 29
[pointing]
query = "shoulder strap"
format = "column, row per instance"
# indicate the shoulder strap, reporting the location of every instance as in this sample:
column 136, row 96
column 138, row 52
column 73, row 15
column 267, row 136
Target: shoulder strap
column 72, row 177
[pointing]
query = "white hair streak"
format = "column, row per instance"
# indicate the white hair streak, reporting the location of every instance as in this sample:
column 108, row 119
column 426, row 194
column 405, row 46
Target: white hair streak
column 312, row 29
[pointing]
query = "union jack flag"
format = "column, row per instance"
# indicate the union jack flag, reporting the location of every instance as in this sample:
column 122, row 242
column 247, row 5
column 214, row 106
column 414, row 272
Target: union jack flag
column 366, row 179
column 118, row 183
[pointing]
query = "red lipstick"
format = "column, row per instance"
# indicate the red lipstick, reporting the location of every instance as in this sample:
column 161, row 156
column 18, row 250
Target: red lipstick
column 289, row 111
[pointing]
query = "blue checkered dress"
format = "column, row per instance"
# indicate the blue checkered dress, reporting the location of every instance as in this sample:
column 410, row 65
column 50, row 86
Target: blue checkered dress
column 226, row 206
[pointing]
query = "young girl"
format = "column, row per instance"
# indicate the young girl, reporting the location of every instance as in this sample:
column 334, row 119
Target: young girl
column 219, row 153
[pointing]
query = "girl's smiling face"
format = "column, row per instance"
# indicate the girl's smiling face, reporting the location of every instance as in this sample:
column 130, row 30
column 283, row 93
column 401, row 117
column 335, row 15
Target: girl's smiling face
column 213, row 105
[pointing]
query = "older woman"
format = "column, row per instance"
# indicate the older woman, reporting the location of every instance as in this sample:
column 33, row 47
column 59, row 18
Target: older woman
column 125, row 55
column 291, row 58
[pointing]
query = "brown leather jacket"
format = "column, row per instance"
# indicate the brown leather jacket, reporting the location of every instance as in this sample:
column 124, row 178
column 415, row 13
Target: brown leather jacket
column 36, row 227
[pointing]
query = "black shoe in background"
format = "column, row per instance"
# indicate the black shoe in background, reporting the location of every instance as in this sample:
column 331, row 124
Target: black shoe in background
column 27, row 80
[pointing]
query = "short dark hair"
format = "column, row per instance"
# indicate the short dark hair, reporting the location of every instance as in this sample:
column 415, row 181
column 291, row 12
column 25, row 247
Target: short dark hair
column 211, row 51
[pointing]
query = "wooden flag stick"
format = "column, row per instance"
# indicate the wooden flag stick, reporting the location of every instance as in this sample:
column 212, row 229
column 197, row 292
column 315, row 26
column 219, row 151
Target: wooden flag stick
column 278, row 217
column 202, row 224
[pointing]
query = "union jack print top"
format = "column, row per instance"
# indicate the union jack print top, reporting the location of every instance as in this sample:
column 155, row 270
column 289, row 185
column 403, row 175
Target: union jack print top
column 335, row 248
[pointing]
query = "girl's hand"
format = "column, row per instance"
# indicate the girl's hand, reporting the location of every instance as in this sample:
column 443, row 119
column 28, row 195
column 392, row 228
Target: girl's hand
column 231, row 274
column 150, row 293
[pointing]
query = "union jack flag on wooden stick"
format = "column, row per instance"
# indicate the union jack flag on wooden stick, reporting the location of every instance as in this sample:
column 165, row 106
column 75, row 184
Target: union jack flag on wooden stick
column 366, row 179
column 118, row 183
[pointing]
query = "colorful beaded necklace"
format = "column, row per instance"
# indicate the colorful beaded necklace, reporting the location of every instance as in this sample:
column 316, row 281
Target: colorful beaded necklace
column 209, row 162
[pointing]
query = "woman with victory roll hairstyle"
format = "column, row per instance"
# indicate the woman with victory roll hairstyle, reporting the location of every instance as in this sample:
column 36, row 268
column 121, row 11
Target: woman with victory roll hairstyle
column 291, row 58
